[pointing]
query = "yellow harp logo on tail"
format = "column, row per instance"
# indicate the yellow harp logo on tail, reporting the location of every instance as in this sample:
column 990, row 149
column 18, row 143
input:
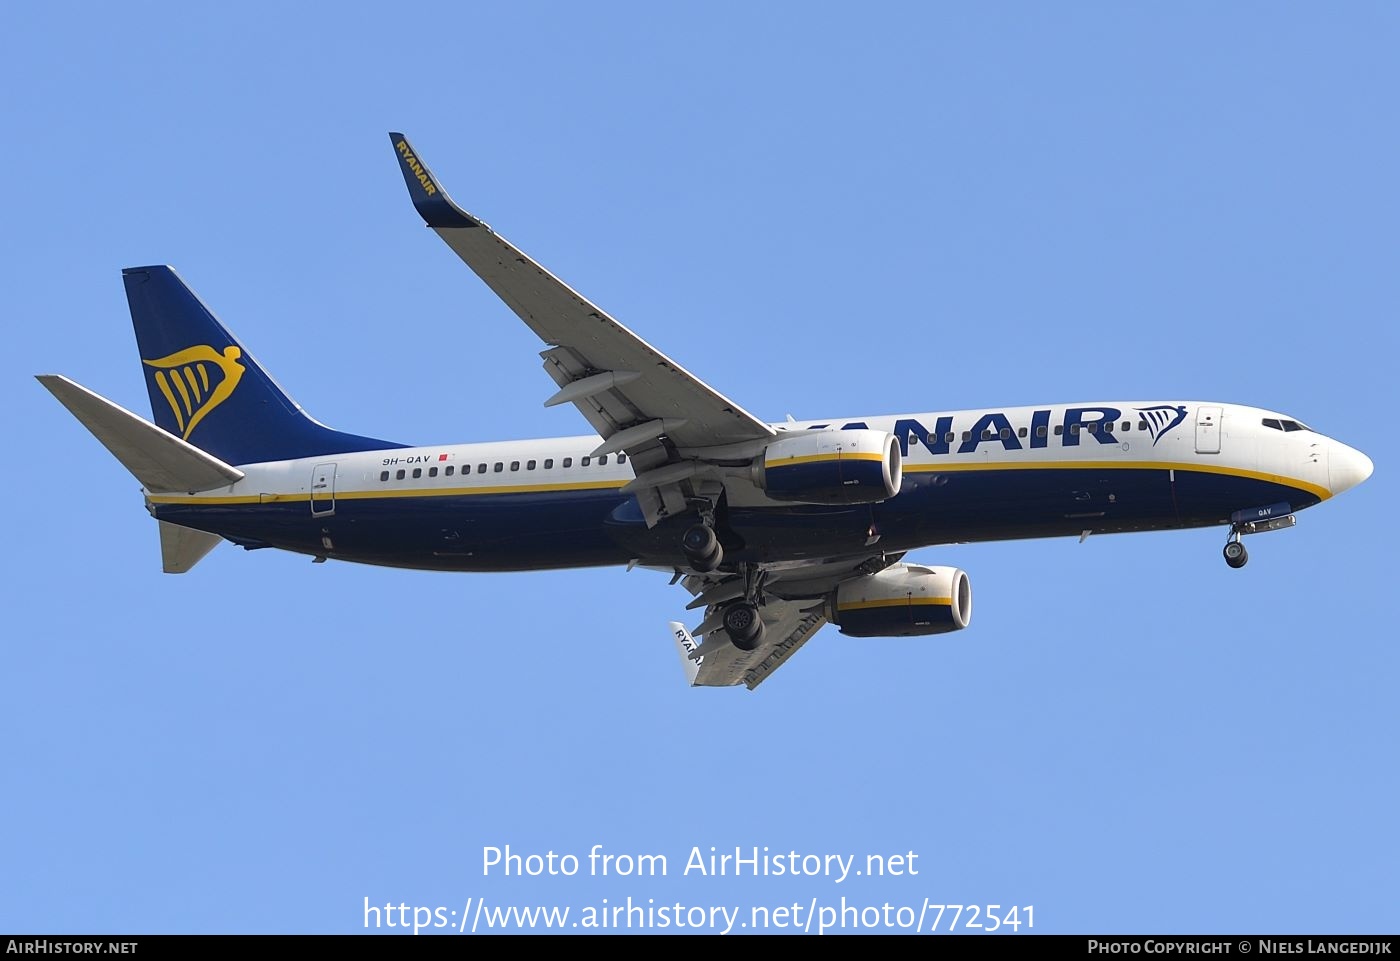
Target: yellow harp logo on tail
column 196, row 380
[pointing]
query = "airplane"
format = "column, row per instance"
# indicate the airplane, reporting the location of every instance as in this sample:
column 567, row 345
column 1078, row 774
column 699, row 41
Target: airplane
column 774, row 529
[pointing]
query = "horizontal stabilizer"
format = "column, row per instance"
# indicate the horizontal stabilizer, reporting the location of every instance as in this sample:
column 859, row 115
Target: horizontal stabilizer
column 162, row 462
column 183, row 547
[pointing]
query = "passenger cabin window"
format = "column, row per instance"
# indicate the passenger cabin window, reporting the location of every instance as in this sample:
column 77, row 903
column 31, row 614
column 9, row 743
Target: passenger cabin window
column 967, row 435
column 1059, row 429
column 603, row 461
column 1021, row 432
column 530, row 465
column 481, row 468
column 515, row 465
column 1127, row 425
column 1142, row 425
column 1005, row 433
column 498, row 468
column 568, row 462
column 1093, row 428
column 1108, row 427
column 447, row 472
column 549, row 463
column 432, row 471
column 622, row 458
column 383, row 475
column 400, row 475
column 987, row 435
column 1040, row 431
column 949, row 437
column 417, row 472
column 583, row 462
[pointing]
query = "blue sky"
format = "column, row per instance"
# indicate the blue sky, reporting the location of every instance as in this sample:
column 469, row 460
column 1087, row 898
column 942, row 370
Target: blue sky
column 822, row 211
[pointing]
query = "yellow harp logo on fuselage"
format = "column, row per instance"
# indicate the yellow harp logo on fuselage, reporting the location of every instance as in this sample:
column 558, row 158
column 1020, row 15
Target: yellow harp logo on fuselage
column 196, row 380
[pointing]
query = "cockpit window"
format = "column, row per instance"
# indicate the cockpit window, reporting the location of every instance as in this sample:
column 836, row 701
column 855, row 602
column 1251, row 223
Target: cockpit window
column 1272, row 422
column 1284, row 425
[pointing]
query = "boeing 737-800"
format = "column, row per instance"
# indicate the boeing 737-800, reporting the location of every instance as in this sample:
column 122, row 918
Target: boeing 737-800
column 774, row 529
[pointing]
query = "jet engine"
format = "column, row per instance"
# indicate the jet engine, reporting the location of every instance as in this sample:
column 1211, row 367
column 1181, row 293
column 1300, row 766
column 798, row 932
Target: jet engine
column 903, row 600
column 831, row 467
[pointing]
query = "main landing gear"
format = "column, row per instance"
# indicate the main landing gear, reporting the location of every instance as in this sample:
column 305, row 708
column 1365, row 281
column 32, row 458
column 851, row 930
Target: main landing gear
column 704, row 554
column 742, row 621
column 743, row 625
column 701, row 546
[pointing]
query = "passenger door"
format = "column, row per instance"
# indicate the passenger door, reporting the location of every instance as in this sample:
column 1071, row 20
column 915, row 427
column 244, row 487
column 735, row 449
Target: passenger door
column 1208, row 429
column 323, row 490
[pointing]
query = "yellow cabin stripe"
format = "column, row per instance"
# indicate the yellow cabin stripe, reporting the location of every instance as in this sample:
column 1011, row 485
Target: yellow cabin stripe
column 897, row 602
column 376, row 494
column 833, row 458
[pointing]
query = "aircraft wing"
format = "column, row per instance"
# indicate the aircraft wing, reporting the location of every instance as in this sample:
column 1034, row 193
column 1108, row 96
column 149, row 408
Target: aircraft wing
column 636, row 398
column 717, row 663
column 795, row 610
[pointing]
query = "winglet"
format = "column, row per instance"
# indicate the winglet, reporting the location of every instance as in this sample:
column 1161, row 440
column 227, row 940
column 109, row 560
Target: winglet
column 688, row 650
column 430, row 200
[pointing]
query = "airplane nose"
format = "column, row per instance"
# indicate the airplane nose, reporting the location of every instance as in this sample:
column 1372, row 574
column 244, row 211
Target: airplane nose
column 1346, row 467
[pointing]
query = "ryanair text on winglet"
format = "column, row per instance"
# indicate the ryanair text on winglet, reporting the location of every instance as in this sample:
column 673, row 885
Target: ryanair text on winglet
column 429, row 187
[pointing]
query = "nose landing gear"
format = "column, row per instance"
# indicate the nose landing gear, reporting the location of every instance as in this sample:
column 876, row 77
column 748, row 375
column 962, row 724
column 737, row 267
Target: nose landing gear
column 1258, row 520
column 1235, row 554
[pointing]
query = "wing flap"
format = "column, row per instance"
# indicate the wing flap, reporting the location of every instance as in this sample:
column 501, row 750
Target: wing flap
column 777, row 654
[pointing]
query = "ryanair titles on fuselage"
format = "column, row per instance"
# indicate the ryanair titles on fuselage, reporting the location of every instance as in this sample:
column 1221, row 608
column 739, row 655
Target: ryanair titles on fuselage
column 994, row 427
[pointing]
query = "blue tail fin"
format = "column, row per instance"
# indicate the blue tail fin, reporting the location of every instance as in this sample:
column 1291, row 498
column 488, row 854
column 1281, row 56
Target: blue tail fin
column 206, row 389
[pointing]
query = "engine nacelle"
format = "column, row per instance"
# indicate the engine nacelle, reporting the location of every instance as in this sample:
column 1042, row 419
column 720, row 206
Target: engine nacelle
column 832, row 467
column 903, row 600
